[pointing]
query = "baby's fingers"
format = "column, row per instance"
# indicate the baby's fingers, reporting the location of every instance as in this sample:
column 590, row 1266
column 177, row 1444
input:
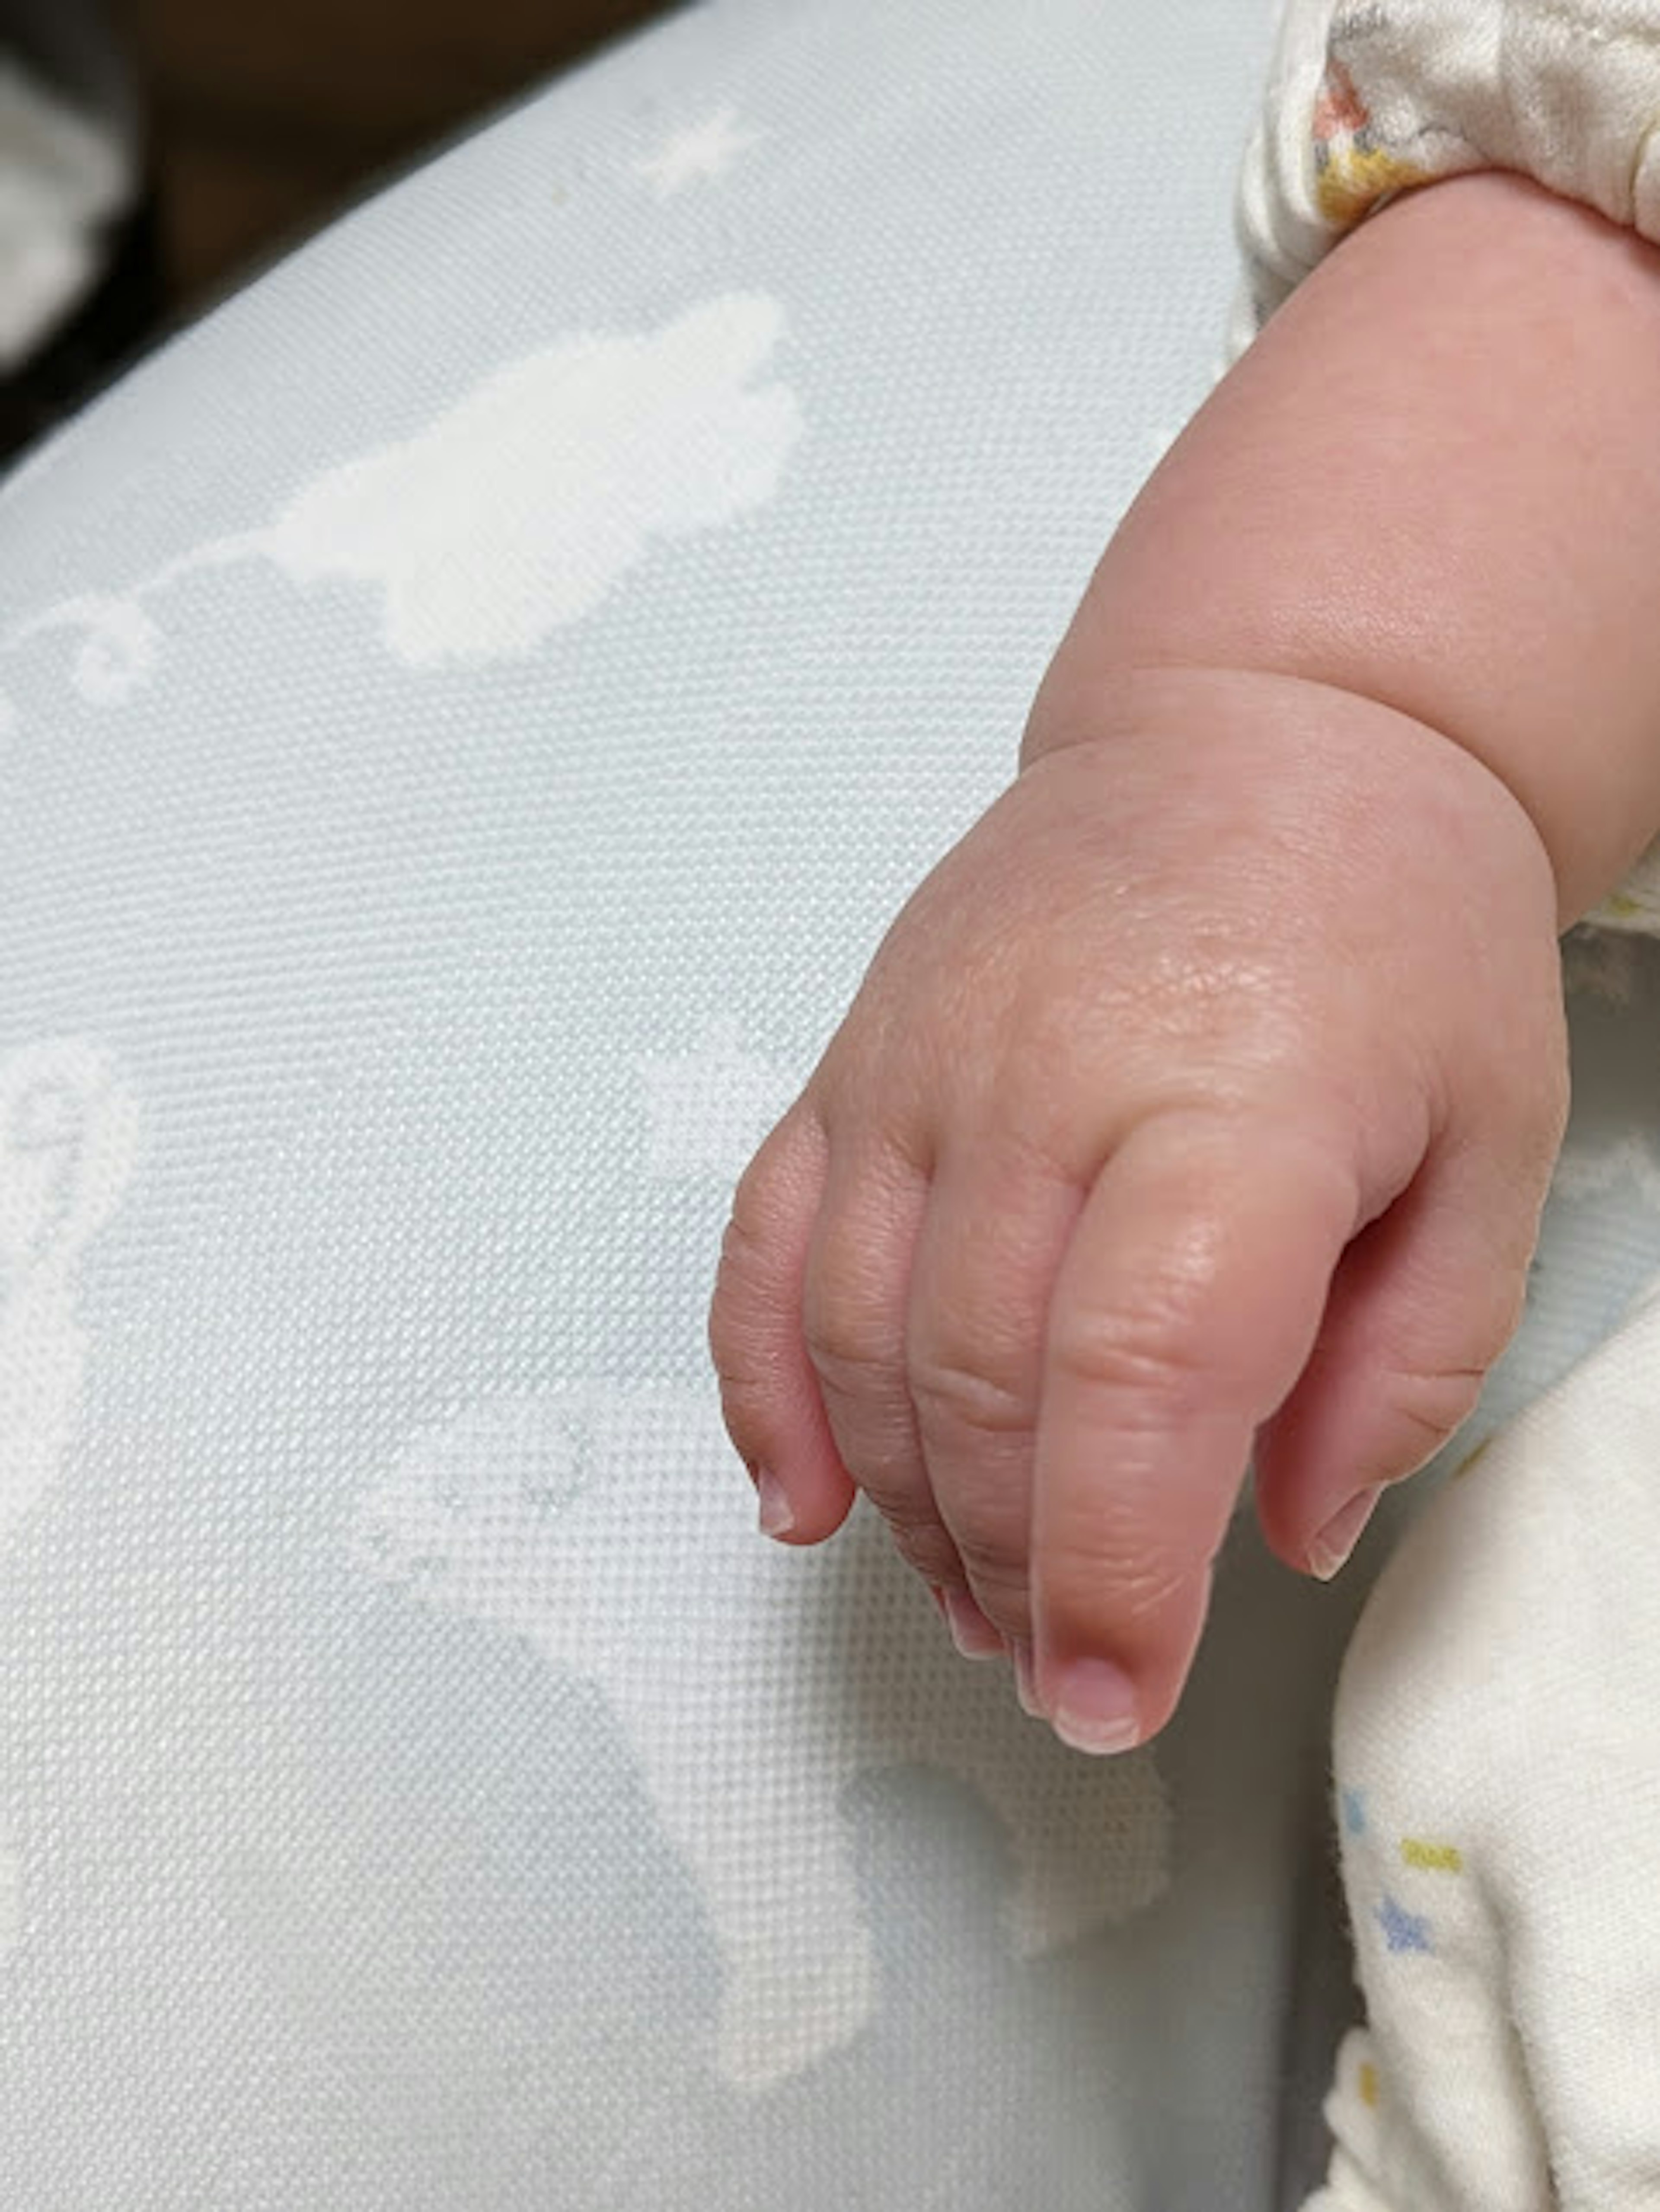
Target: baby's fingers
column 1420, row 1308
column 1186, row 1304
column 769, row 1394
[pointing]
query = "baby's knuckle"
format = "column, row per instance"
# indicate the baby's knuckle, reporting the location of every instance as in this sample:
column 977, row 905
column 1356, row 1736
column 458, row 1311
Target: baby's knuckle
column 1152, row 1353
column 745, row 1398
column 849, row 1345
column 744, row 1240
column 732, row 1353
column 957, row 1394
column 742, row 1264
column 739, row 1308
column 1433, row 1401
column 849, row 1338
column 1043, row 1129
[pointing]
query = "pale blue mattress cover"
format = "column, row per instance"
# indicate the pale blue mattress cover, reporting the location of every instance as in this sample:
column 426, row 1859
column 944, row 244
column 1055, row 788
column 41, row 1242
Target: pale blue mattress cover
column 468, row 712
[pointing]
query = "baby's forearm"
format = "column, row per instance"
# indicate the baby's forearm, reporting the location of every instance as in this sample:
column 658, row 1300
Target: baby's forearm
column 1434, row 480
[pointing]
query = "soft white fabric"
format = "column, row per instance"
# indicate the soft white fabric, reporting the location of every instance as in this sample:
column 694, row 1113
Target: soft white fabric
column 1497, row 1775
column 1365, row 102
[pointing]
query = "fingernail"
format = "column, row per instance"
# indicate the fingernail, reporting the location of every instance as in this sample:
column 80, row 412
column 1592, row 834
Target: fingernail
column 970, row 1632
column 1329, row 1552
column 777, row 1519
column 1095, row 1707
column 1025, row 1680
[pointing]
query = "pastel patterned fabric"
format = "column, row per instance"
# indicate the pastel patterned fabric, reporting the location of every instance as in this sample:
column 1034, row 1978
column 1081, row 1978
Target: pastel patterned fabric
column 1499, row 1802
column 468, row 711
column 1367, row 99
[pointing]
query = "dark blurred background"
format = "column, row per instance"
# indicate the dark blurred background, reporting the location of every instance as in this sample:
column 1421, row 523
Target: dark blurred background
column 265, row 117
column 247, row 126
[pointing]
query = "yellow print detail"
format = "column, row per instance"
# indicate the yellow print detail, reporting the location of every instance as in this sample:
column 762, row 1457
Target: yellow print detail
column 1439, row 1859
column 1353, row 173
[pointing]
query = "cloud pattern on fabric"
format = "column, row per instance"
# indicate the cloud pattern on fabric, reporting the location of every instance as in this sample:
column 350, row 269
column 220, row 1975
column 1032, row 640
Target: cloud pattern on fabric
column 513, row 514
column 69, row 1143
column 521, row 507
column 752, row 1693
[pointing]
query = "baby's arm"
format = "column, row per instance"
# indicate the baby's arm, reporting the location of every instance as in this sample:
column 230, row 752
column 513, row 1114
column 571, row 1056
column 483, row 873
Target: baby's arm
column 1209, row 1088
column 1434, row 481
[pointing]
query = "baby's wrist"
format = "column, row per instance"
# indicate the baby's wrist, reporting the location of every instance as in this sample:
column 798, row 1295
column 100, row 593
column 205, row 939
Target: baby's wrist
column 1373, row 793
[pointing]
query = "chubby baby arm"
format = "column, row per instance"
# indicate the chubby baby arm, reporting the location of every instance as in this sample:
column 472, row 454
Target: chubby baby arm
column 1209, row 1089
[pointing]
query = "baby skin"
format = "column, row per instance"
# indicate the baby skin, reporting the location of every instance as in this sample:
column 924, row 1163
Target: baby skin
column 1198, row 1109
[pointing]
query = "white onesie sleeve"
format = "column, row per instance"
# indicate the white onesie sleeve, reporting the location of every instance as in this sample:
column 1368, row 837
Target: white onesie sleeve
column 1367, row 99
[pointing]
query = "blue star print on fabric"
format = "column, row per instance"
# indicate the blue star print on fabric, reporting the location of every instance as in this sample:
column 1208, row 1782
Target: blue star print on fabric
column 1403, row 1930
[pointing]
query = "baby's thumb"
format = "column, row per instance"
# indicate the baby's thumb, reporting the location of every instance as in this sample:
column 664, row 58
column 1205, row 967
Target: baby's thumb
column 1422, row 1304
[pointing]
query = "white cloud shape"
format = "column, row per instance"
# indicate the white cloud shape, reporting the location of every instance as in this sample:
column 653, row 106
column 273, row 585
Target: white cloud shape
column 519, row 508
column 611, row 1529
column 708, row 1109
column 69, row 1144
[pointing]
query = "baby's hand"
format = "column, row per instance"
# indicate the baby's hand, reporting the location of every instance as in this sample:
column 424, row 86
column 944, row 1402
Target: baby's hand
column 1206, row 1092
